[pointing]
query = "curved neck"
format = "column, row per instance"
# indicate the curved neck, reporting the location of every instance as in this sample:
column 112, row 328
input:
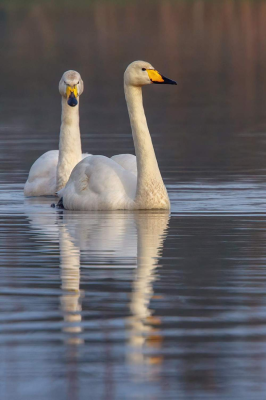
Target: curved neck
column 69, row 143
column 151, row 192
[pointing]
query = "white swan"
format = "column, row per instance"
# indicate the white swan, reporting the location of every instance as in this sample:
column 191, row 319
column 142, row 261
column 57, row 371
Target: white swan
column 51, row 171
column 100, row 183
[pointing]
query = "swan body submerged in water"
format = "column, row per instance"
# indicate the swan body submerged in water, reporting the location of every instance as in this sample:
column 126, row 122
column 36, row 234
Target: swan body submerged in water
column 51, row 171
column 100, row 183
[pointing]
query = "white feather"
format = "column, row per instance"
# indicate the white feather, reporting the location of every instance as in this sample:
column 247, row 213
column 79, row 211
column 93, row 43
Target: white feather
column 50, row 172
column 100, row 183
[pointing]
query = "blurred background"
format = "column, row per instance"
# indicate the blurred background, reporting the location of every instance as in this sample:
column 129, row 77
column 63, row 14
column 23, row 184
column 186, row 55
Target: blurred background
column 212, row 124
column 136, row 305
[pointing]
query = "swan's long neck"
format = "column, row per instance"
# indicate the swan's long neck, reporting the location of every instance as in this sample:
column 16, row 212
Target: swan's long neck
column 69, row 143
column 151, row 192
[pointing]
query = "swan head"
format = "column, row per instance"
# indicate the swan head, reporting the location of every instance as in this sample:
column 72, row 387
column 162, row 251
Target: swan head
column 71, row 87
column 140, row 73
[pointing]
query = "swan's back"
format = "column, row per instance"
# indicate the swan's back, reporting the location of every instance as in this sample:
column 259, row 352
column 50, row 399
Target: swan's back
column 99, row 183
column 42, row 176
column 127, row 161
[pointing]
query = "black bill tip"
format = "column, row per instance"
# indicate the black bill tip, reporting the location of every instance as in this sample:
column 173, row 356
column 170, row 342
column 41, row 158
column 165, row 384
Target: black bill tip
column 72, row 101
column 166, row 81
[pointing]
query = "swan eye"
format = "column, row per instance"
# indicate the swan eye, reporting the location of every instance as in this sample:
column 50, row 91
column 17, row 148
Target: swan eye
column 143, row 69
column 67, row 84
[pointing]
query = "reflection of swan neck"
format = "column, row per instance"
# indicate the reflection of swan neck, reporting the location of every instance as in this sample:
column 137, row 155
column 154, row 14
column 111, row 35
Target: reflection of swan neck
column 70, row 277
column 150, row 184
column 151, row 231
column 69, row 261
column 69, row 144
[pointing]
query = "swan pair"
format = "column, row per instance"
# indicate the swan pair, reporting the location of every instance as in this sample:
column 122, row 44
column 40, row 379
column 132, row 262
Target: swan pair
column 98, row 182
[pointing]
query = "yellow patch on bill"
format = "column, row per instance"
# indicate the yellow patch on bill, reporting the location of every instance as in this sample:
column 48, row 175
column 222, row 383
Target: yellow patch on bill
column 70, row 90
column 154, row 75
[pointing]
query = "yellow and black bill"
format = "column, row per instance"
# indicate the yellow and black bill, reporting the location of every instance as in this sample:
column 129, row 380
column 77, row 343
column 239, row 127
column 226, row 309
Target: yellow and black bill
column 72, row 95
column 156, row 77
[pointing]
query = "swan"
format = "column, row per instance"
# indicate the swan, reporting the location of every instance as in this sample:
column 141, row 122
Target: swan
column 50, row 172
column 100, row 183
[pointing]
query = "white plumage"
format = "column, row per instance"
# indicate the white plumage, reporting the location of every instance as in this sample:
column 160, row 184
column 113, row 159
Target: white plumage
column 42, row 176
column 127, row 161
column 50, row 172
column 101, row 183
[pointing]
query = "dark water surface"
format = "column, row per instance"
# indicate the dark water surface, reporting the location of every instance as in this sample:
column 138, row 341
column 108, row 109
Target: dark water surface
column 145, row 305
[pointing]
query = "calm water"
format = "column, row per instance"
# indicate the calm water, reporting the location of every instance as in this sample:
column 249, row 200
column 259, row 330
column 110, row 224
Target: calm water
column 145, row 305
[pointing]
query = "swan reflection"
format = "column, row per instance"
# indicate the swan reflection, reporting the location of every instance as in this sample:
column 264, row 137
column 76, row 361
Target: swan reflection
column 108, row 240
column 151, row 232
column 70, row 278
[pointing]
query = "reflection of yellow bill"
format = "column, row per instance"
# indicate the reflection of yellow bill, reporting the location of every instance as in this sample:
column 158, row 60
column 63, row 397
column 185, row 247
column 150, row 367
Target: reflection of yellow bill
column 73, row 90
column 154, row 75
